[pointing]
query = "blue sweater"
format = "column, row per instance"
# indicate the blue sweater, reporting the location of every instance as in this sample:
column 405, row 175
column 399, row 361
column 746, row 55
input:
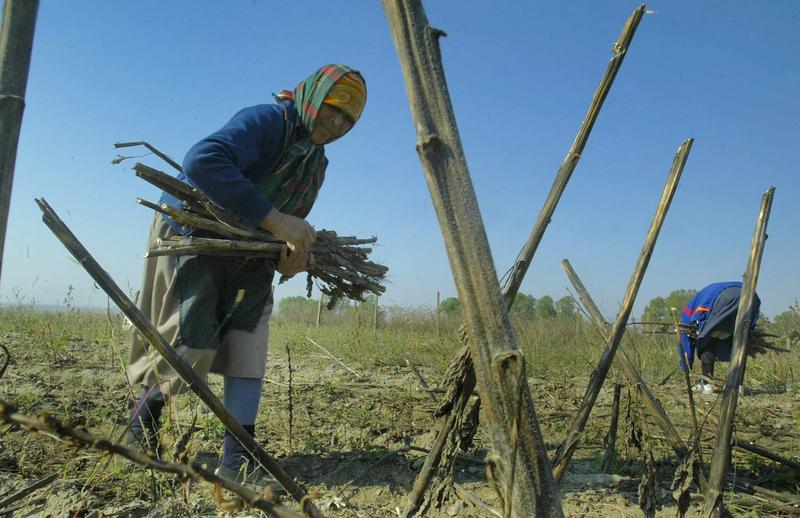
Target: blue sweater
column 705, row 311
column 227, row 165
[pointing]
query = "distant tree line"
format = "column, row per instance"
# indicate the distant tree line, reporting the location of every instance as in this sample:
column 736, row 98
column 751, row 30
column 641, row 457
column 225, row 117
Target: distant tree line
column 525, row 306
column 659, row 309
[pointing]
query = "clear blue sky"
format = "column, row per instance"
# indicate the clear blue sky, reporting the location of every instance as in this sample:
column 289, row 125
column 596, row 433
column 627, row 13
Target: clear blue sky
column 520, row 74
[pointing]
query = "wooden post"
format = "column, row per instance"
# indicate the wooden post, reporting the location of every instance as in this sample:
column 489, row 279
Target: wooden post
column 375, row 315
column 16, row 43
column 319, row 307
column 628, row 369
column 437, row 315
column 720, row 460
column 570, row 444
column 611, row 438
column 521, row 466
column 466, row 381
column 182, row 368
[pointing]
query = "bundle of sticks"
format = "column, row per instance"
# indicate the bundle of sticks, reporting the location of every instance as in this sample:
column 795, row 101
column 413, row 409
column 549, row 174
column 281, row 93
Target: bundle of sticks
column 340, row 264
column 758, row 341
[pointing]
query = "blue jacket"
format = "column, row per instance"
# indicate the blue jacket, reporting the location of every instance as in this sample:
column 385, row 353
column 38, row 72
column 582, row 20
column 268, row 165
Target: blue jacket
column 709, row 308
column 227, row 165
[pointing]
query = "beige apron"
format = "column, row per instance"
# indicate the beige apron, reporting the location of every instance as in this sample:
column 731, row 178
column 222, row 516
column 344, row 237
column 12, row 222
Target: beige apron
column 241, row 353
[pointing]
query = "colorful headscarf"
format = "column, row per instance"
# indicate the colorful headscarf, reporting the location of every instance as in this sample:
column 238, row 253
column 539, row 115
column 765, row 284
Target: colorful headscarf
column 293, row 185
column 349, row 95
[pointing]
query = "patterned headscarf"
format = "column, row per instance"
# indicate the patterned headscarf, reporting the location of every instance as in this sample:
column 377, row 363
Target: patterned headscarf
column 349, row 95
column 293, row 185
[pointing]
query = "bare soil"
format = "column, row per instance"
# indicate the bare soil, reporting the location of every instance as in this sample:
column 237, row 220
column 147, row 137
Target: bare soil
column 345, row 438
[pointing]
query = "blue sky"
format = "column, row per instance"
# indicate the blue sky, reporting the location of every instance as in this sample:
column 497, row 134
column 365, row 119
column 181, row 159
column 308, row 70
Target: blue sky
column 520, row 75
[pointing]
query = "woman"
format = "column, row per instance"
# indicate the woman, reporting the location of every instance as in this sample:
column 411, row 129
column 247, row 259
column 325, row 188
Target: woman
column 266, row 165
column 712, row 312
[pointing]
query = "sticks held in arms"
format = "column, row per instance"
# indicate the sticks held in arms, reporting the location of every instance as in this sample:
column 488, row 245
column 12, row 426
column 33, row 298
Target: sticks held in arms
column 183, row 369
column 340, row 263
column 524, row 477
column 720, row 461
column 570, row 444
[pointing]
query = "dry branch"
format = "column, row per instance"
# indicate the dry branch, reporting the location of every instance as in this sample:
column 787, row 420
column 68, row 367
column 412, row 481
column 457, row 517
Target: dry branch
column 720, row 461
column 461, row 373
column 25, row 491
column 331, row 356
column 533, row 492
column 194, row 471
column 570, row 444
column 181, row 367
column 758, row 450
column 628, row 369
column 340, row 266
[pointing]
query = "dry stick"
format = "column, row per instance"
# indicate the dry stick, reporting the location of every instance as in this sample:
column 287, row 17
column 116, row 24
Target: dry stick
column 7, row 360
column 699, row 468
column 193, row 220
column 570, row 444
column 194, row 471
column 156, row 152
column 490, row 332
column 466, row 494
column 183, row 369
column 16, row 41
column 467, row 380
column 332, row 357
column 421, row 379
column 611, row 441
column 754, row 448
column 22, row 493
column 720, row 460
column 620, row 49
column 628, row 369
column 534, row 493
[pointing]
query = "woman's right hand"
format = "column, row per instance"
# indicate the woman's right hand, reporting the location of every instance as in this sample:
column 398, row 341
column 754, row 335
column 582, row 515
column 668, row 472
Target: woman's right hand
column 297, row 232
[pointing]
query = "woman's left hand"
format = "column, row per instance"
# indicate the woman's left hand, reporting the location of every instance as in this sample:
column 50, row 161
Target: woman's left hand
column 292, row 263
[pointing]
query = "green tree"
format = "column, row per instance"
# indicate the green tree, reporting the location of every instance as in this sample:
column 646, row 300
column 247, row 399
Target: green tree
column 545, row 309
column 450, row 307
column 565, row 307
column 787, row 324
column 524, row 306
column 659, row 309
column 297, row 309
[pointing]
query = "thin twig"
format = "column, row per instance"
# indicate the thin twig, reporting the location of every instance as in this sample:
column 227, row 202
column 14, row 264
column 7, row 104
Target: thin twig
column 194, row 471
column 22, row 493
column 6, row 362
column 421, row 380
column 357, row 375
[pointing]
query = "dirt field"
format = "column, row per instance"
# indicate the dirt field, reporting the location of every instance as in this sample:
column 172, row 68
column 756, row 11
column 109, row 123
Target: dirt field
column 343, row 436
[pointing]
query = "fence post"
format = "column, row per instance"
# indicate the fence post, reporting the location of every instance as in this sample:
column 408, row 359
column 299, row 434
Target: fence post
column 375, row 315
column 319, row 307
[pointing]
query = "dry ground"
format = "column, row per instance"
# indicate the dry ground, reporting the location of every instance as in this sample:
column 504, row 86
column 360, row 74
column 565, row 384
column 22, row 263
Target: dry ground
column 341, row 434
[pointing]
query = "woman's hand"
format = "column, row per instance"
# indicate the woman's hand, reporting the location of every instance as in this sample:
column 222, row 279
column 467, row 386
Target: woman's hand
column 297, row 232
column 291, row 263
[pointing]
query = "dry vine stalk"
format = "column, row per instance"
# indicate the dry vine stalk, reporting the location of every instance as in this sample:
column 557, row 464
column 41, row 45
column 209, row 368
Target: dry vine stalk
column 460, row 375
column 530, row 489
column 720, row 461
column 340, row 264
column 177, row 362
column 194, row 471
